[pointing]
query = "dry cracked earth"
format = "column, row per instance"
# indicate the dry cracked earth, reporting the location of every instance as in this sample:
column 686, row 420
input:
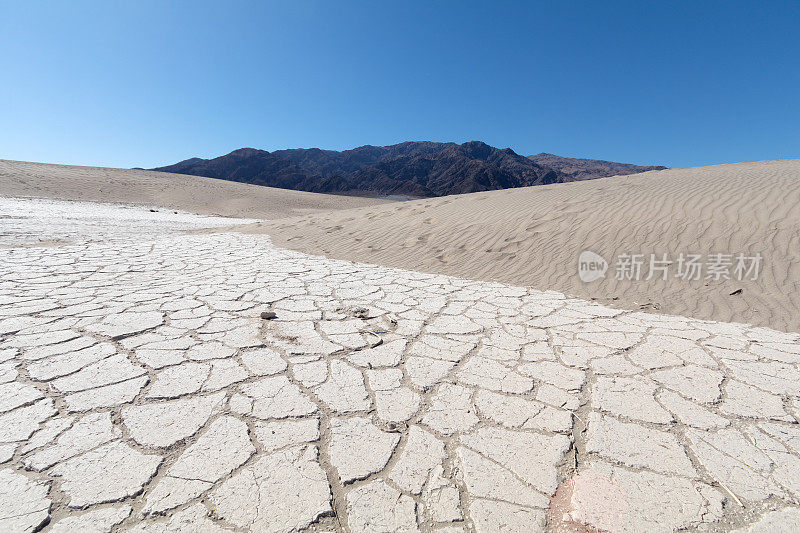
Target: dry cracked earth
column 141, row 390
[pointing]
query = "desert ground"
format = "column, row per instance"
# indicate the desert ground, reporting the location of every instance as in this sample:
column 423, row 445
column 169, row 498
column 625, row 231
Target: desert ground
column 204, row 196
column 169, row 371
column 533, row 236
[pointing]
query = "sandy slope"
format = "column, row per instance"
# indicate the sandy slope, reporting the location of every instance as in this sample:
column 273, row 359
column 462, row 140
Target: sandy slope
column 529, row 236
column 533, row 236
column 177, row 191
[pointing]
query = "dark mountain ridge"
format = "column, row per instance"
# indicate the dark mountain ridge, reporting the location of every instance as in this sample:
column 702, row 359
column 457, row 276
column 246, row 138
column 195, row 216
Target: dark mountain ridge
column 588, row 168
column 414, row 168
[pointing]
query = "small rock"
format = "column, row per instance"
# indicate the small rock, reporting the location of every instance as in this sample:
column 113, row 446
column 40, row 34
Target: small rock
column 360, row 312
column 268, row 315
column 394, row 427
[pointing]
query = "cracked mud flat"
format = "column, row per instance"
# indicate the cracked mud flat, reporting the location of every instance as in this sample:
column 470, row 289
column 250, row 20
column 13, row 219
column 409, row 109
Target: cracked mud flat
column 140, row 390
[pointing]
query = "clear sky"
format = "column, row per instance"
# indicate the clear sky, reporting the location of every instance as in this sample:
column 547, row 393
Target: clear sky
column 147, row 83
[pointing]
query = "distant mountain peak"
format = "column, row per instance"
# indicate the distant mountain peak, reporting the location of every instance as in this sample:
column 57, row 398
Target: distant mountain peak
column 247, row 152
column 415, row 168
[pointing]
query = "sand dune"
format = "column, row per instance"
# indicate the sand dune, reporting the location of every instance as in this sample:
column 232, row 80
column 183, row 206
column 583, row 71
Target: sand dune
column 533, row 236
column 176, row 191
column 527, row 236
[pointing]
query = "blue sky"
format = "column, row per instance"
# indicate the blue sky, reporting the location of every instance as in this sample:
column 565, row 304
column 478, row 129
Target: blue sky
column 147, row 83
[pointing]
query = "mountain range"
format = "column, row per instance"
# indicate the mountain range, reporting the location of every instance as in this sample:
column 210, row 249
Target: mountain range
column 415, row 168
